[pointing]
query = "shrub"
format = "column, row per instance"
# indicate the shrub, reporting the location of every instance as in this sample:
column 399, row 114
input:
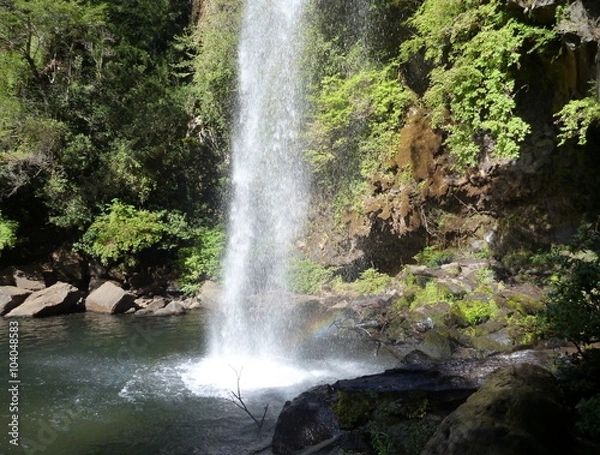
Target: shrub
column 475, row 48
column 430, row 293
column 432, row 256
column 355, row 125
column 202, row 261
column 576, row 117
column 474, row 312
column 8, row 233
column 573, row 310
column 122, row 233
column 372, row 281
column 308, row 277
column 589, row 413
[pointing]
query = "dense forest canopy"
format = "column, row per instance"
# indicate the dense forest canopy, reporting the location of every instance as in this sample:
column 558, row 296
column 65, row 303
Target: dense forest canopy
column 116, row 119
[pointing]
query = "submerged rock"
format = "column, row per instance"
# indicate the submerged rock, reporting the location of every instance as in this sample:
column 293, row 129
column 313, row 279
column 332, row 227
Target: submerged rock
column 57, row 299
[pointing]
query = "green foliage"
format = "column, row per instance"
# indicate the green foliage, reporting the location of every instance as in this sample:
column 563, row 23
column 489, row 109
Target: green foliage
column 576, row 117
column 380, row 441
column 214, row 42
column 589, row 414
column 473, row 312
column 372, row 281
column 8, row 233
column 355, row 124
column 95, row 108
column 308, row 277
column 475, row 48
column 433, row 256
column 573, row 310
column 429, row 294
column 119, row 235
column 202, row 260
column 524, row 329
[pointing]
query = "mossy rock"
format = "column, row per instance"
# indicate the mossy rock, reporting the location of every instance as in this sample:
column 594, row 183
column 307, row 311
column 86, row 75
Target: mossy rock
column 489, row 345
column 518, row 411
column 353, row 409
column 525, row 304
column 437, row 344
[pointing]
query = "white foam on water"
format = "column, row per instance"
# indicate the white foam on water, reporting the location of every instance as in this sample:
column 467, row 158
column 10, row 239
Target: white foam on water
column 214, row 376
column 218, row 377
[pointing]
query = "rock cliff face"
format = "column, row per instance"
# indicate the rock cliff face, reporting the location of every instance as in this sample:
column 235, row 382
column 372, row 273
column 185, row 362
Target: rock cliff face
column 533, row 201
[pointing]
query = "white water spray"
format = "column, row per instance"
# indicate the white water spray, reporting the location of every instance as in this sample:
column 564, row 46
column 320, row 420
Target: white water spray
column 254, row 339
column 270, row 189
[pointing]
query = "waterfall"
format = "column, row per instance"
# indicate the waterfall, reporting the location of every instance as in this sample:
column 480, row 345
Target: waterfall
column 269, row 182
column 255, row 341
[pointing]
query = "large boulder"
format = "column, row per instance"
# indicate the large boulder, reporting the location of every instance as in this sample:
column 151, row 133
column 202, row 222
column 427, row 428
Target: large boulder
column 306, row 421
column 11, row 297
column 518, row 411
column 404, row 405
column 109, row 298
column 59, row 298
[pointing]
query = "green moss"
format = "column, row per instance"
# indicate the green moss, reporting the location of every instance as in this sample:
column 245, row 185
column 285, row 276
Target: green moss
column 308, row 277
column 354, row 408
column 525, row 305
column 473, row 312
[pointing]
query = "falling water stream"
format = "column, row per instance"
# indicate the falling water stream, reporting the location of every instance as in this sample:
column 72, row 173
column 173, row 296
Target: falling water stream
column 267, row 213
column 270, row 188
column 259, row 337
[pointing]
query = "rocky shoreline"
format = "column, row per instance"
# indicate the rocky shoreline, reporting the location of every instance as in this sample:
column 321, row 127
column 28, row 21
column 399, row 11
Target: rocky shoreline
column 67, row 284
column 468, row 373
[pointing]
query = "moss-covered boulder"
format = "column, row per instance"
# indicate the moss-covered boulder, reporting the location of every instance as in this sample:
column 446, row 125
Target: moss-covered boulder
column 519, row 410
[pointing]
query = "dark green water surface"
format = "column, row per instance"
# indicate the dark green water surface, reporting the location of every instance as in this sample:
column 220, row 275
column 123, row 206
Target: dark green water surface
column 95, row 384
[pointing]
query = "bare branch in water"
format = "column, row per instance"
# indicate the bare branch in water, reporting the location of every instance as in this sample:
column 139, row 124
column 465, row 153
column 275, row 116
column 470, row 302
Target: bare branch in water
column 239, row 402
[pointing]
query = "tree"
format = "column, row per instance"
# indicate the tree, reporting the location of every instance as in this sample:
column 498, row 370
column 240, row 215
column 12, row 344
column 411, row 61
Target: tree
column 573, row 310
